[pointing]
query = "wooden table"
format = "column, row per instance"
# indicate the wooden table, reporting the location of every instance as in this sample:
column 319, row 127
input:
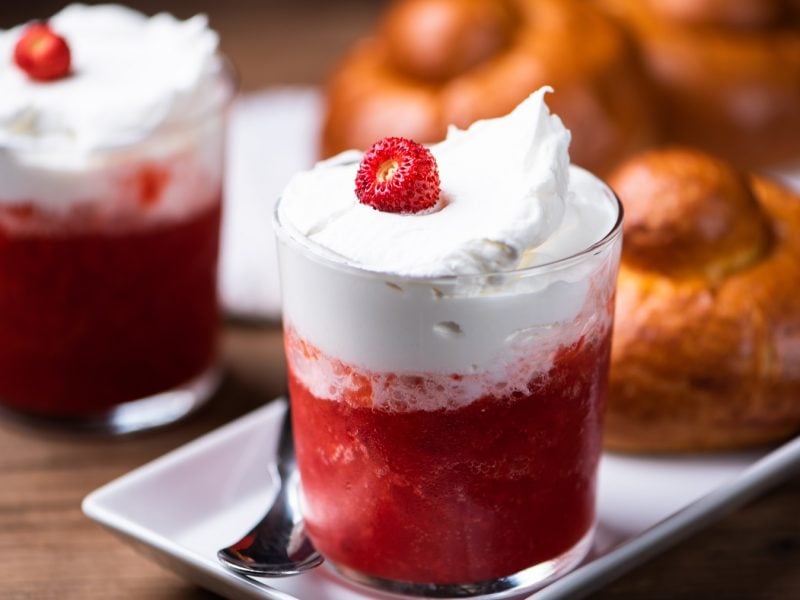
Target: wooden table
column 48, row 549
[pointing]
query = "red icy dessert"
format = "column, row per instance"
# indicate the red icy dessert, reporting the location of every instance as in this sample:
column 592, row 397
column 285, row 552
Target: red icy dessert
column 94, row 315
column 448, row 368
column 449, row 496
column 110, row 203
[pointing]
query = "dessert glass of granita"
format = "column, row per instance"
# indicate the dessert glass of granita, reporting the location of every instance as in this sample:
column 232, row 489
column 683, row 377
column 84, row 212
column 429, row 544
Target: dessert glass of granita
column 111, row 160
column 448, row 355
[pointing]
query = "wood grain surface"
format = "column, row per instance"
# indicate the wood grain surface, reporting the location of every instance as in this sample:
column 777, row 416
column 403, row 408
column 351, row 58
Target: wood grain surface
column 48, row 549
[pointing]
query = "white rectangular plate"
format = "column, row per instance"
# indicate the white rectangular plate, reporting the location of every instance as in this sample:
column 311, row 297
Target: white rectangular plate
column 184, row 506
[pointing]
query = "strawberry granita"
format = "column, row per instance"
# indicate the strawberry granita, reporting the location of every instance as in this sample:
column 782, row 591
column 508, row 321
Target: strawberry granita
column 468, row 494
column 447, row 319
column 111, row 155
column 96, row 315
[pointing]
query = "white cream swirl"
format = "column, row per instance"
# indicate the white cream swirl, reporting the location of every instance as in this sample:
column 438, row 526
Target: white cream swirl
column 505, row 190
column 145, row 94
column 131, row 75
column 511, row 199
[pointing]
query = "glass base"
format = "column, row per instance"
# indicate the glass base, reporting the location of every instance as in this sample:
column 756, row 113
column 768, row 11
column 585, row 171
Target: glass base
column 526, row 580
column 154, row 411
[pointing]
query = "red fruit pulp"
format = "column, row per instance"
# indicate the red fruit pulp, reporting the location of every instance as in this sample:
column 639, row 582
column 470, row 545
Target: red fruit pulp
column 398, row 175
column 42, row 54
column 91, row 318
column 455, row 496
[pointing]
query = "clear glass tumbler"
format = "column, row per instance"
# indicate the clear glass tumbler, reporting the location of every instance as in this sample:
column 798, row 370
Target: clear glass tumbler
column 448, row 430
column 108, row 300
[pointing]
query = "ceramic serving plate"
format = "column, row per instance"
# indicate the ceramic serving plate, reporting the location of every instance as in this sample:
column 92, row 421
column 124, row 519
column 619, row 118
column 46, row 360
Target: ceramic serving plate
column 182, row 507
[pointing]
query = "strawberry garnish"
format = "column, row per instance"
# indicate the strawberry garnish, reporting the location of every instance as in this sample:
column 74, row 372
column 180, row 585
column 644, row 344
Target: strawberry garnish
column 41, row 53
column 398, row 175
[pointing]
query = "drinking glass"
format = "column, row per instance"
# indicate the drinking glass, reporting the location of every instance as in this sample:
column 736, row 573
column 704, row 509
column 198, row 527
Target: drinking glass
column 448, row 430
column 108, row 262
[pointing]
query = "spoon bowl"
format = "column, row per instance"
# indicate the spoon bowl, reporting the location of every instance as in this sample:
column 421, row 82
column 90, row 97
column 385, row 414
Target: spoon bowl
column 278, row 545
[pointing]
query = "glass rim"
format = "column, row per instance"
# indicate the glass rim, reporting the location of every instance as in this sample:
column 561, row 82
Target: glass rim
column 226, row 72
column 284, row 235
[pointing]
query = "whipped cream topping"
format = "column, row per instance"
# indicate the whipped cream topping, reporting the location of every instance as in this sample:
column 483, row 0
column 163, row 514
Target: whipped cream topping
column 511, row 200
column 131, row 75
column 144, row 102
column 507, row 203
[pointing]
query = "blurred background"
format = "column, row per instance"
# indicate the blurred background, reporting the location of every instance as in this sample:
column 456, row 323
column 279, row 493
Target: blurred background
column 270, row 41
column 298, row 42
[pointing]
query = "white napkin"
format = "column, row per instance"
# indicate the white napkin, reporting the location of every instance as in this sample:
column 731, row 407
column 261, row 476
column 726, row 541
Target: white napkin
column 272, row 135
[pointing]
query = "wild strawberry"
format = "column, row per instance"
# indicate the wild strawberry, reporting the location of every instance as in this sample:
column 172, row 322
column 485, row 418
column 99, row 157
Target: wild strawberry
column 41, row 53
column 398, row 175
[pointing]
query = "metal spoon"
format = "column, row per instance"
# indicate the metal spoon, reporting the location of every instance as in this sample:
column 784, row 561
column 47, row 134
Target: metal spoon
column 278, row 546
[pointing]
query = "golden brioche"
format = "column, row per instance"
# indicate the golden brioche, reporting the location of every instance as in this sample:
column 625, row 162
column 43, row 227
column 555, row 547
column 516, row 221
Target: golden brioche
column 706, row 350
column 726, row 73
column 433, row 63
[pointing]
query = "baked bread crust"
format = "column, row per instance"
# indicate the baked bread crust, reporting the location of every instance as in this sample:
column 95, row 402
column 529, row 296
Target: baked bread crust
column 438, row 62
column 726, row 73
column 706, row 350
